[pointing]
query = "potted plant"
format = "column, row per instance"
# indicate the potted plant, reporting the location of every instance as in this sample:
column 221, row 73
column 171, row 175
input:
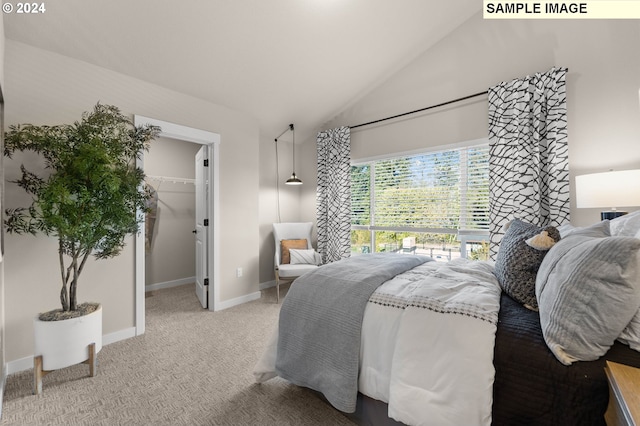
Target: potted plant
column 87, row 197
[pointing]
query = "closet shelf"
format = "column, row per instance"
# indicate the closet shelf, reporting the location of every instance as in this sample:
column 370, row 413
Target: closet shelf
column 171, row 179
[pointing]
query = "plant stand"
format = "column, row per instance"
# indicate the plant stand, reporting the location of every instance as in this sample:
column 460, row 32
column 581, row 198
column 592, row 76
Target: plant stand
column 63, row 343
column 39, row 373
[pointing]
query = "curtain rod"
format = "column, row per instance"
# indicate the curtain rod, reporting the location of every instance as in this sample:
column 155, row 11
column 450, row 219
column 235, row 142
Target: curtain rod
column 421, row 109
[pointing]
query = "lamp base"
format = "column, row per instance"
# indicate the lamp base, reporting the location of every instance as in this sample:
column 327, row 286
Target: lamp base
column 611, row 215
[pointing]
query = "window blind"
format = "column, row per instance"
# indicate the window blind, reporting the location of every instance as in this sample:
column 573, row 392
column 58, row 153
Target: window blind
column 446, row 191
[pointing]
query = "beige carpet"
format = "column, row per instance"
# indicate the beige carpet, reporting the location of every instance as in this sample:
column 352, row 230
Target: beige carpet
column 191, row 367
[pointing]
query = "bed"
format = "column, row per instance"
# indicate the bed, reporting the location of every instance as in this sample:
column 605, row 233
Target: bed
column 436, row 344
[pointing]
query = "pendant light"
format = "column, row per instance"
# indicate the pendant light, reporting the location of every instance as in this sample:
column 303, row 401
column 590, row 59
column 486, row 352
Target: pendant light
column 293, row 180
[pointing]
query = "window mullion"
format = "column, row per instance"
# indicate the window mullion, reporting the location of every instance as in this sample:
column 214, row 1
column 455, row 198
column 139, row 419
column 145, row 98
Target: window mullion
column 372, row 205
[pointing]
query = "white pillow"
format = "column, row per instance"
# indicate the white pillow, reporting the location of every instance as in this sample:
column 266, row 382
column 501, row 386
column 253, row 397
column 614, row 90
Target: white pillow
column 627, row 225
column 305, row 257
column 566, row 228
column 631, row 334
column 588, row 291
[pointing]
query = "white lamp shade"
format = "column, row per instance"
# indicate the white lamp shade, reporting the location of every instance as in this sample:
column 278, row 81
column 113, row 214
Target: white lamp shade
column 609, row 189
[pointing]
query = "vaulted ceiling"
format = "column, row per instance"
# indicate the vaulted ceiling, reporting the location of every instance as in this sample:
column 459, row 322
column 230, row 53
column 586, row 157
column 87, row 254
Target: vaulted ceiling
column 282, row 61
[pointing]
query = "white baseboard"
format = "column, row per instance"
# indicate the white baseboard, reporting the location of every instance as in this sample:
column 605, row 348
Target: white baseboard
column 238, row 301
column 3, row 382
column 20, row 365
column 167, row 284
column 119, row 335
column 26, row 363
column 267, row 284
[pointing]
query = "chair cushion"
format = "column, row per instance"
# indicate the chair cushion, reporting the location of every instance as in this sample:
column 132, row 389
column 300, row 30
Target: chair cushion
column 291, row 271
column 285, row 245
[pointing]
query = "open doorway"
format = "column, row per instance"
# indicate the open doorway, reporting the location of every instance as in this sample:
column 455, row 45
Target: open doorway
column 199, row 138
column 170, row 255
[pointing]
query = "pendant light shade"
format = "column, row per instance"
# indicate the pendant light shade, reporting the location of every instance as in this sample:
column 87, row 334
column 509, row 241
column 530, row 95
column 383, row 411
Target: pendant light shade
column 293, row 180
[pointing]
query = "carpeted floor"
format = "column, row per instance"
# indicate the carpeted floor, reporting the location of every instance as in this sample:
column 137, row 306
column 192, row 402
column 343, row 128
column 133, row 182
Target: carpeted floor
column 191, row 367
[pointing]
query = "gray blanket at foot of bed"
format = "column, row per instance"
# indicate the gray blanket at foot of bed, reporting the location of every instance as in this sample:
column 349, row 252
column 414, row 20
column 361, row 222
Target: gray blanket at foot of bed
column 321, row 319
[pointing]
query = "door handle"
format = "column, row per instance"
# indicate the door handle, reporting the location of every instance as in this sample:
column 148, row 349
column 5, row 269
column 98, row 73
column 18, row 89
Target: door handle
column 195, row 231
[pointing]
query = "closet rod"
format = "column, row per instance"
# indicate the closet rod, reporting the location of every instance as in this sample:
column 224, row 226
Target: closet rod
column 421, row 109
column 171, row 179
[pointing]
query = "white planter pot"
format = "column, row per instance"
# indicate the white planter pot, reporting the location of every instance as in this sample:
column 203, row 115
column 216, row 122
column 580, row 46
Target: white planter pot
column 65, row 343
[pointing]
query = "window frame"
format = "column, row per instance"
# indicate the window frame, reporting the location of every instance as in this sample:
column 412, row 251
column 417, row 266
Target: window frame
column 464, row 238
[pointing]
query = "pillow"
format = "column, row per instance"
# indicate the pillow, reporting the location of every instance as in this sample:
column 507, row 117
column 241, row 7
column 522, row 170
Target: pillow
column 631, row 334
column 588, row 291
column 305, row 257
column 286, row 245
column 567, row 228
column 517, row 262
column 627, row 225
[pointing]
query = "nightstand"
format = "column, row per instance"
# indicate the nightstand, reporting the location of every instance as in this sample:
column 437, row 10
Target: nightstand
column 624, row 395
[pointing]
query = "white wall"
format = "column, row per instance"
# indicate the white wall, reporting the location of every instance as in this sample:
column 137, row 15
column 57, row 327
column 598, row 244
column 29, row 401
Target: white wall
column 278, row 202
column 46, row 88
column 603, row 86
column 172, row 253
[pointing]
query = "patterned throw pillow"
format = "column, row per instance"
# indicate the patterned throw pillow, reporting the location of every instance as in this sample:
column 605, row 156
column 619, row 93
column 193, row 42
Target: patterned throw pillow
column 518, row 262
column 588, row 291
column 286, row 245
column 305, row 257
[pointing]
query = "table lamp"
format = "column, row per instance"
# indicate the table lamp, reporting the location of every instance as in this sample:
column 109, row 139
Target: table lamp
column 609, row 190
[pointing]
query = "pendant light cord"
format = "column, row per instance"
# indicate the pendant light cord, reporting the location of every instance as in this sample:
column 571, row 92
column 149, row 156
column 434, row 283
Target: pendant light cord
column 278, row 184
column 291, row 129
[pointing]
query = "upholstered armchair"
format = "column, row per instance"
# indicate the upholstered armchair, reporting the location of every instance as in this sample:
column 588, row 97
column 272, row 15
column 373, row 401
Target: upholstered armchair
column 294, row 254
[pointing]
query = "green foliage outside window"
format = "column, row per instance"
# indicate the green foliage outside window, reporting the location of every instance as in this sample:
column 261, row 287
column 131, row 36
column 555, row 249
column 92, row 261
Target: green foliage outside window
column 445, row 191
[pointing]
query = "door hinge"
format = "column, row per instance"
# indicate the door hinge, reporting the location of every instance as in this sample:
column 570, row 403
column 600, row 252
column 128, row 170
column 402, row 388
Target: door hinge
column 206, row 281
column 206, row 222
column 206, row 163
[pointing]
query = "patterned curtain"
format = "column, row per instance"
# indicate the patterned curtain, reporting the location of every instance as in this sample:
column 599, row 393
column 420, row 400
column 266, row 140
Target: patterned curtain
column 334, row 194
column 528, row 152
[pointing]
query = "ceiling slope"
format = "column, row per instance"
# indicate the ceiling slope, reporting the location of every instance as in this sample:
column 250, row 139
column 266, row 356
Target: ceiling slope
column 281, row 61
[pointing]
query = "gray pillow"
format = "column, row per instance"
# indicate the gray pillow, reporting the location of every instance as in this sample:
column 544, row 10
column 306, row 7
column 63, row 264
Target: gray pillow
column 588, row 291
column 517, row 262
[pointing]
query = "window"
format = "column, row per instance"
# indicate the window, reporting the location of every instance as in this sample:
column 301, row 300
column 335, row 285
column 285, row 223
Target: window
column 434, row 203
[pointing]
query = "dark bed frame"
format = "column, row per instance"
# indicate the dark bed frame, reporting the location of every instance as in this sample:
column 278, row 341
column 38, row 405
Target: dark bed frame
column 531, row 386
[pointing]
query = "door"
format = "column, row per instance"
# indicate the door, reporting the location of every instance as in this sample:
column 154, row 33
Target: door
column 202, row 191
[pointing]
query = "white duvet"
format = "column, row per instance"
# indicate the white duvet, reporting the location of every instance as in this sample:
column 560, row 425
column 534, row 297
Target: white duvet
column 427, row 344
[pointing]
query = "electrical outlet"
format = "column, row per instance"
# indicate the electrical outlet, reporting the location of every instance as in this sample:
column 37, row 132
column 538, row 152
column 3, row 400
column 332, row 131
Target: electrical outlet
column 238, row 272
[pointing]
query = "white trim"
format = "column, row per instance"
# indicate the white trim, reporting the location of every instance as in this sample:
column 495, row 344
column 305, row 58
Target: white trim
column 3, row 383
column 119, row 335
column 140, row 245
column 238, row 301
column 214, row 231
column 20, row 365
column 176, row 131
column 26, row 363
column 266, row 285
column 203, row 137
column 426, row 150
column 172, row 283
